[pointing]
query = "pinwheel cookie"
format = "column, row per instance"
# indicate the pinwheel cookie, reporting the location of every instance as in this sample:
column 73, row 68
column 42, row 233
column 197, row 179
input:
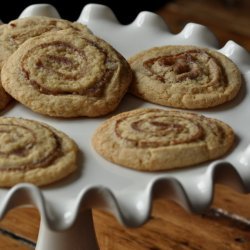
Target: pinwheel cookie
column 4, row 97
column 13, row 34
column 155, row 139
column 16, row 32
column 33, row 152
column 4, row 54
column 67, row 74
column 185, row 77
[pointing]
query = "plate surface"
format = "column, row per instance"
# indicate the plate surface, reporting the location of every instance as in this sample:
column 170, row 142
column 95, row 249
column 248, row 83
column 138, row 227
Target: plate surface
column 128, row 194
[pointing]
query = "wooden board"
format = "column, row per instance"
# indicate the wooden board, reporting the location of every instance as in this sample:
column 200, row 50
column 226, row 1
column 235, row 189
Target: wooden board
column 225, row 226
column 226, row 22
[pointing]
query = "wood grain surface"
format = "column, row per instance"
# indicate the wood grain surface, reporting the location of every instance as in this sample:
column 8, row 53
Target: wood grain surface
column 227, row 22
column 226, row 224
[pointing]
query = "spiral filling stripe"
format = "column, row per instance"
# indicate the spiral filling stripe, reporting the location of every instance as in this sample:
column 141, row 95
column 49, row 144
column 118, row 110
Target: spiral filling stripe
column 190, row 65
column 24, row 148
column 59, row 68
column 158, row 130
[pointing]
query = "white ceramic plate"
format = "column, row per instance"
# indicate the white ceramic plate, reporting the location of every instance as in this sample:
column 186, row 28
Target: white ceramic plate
column 127, row 193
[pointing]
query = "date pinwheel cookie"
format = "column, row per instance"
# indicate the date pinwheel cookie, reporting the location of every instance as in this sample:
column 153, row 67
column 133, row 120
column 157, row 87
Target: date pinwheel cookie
column 4, row 54
column 16, row 32
column 67, row 74
column 185, row 77
column 13, row 34
column 34, row 152
column 156, row 139
column 4, row 97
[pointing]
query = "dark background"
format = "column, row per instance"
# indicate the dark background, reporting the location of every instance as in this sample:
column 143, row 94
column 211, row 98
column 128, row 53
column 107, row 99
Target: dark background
column 125, row 11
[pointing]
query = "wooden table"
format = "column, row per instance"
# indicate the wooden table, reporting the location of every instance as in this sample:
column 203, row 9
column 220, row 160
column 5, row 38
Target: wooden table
column 225, row 226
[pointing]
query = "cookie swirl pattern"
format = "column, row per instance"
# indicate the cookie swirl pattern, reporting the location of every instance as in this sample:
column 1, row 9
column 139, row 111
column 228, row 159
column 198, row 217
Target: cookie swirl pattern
column 67, row 74
column 33, row 152
column 58, row 62
column 154, row 139
column 185, row 77
column 16, row 32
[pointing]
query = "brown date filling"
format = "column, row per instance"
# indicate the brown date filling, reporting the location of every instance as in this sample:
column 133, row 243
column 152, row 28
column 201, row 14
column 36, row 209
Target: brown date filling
column 186, row 65
column 160, row 130
column 43, row 162
column 96, row 90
